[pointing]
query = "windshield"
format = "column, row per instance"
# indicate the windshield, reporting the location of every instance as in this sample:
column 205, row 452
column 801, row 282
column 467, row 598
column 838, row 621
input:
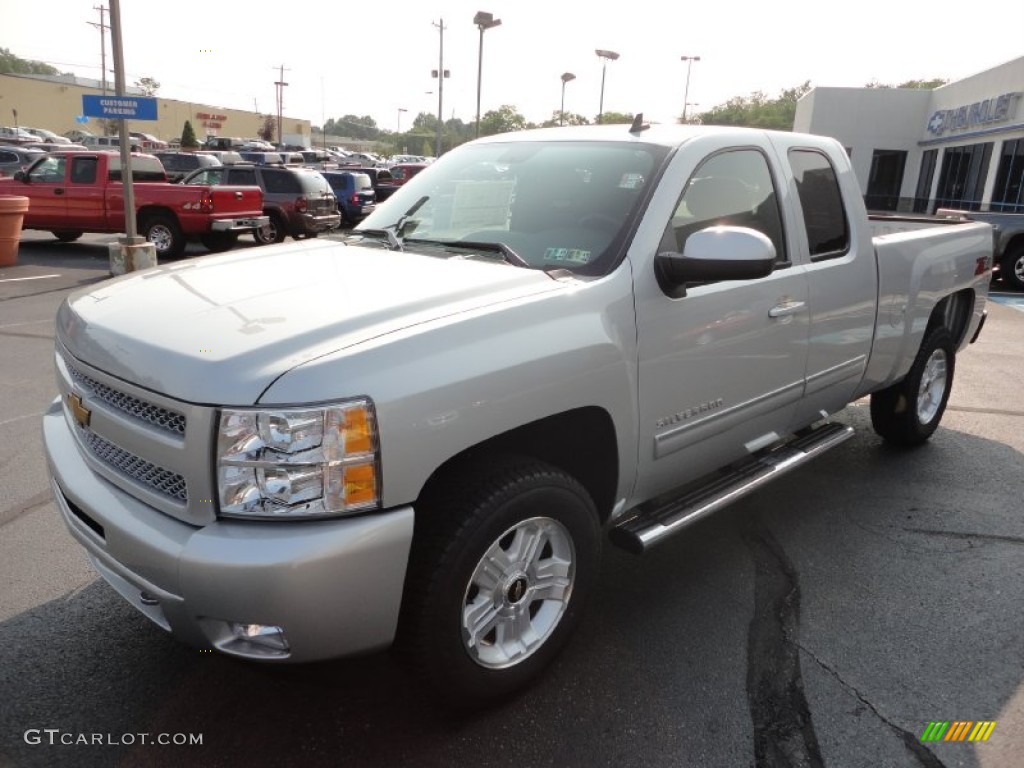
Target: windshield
column 556, row 204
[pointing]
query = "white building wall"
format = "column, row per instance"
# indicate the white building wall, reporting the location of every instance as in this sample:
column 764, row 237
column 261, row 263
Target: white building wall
column 866, row 119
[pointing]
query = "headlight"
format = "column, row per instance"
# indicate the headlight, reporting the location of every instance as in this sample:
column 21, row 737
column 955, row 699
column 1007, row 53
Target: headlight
column 289, row 463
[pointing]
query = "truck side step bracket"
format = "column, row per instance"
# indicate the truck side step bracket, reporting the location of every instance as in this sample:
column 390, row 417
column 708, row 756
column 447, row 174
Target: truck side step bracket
column 639, row 533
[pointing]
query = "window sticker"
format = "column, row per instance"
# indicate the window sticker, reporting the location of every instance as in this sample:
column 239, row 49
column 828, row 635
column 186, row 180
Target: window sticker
column 569, row 255
column 631, row 181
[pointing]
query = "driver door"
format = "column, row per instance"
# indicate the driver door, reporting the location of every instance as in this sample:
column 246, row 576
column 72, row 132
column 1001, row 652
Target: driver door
column 721, row 364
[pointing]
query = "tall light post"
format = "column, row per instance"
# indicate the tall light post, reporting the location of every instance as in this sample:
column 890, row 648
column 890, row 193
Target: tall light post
column 566, row 77
column 605, row 57
column 398, row 128
column 483, row 21
column 686, row 95
column 440, row 73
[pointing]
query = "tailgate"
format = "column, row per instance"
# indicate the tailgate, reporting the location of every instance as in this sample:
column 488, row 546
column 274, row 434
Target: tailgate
column 236, row 201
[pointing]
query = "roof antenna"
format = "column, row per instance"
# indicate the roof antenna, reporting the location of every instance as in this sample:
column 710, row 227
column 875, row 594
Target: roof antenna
column 639, row 124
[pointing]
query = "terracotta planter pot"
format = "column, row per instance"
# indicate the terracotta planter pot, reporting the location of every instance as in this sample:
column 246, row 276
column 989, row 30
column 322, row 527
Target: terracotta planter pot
column 12, row 213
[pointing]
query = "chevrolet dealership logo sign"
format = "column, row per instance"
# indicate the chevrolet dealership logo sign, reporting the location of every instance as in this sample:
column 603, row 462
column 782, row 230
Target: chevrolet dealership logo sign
column 999, row 109
column 958, row 730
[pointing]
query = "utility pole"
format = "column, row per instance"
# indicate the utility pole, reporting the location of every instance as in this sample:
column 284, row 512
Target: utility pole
column 280, row 83
column 440, row 74
column 102, row 27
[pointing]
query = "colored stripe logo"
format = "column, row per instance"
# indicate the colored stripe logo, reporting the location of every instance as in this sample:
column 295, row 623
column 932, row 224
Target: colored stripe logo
column 958, row 730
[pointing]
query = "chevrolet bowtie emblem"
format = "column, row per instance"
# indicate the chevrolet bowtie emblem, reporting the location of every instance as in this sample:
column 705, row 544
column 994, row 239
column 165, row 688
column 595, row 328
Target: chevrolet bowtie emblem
column 79, row 412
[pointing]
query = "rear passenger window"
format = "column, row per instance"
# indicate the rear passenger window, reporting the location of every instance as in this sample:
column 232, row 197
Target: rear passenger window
column 83, row 170
column 828, row 233
column 281, row 182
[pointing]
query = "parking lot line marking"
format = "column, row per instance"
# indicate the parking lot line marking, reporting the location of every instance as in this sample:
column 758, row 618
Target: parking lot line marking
column 16, row 279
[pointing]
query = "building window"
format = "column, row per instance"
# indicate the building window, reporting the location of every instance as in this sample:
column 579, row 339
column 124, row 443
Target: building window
column 962, row 179
column 885, row 179
column 924, row 180
column 1008, row 193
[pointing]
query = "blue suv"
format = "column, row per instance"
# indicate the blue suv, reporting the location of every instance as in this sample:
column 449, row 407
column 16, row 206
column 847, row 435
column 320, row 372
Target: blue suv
column 356, row 197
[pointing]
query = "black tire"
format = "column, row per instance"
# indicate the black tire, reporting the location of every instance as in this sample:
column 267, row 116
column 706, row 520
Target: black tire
column 907, row 413
column 162, row 230
column 215, row 242
column 67, row 235
column 1011, row 268
column 504, row 504
column 274, row 232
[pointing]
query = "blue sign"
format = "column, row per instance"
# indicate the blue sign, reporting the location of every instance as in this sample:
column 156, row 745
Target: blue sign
column 119, row 107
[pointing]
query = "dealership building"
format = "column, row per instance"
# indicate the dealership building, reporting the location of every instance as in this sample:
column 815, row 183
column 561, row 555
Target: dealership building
column 54, row 102
column 958, row 146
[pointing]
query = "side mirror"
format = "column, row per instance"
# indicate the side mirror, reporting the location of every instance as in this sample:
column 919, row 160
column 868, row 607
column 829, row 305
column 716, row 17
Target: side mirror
column 21, row 176
column 718, row 253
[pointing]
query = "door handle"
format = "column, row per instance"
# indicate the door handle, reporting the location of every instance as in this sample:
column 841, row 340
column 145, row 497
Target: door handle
column 786, row 308
column 58, row 191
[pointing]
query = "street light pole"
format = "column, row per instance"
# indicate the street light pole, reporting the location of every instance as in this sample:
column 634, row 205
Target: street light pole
column 483, row 21
column 605, row 57
column 686, row 95
column 398, row 129
column 566, row 77
column 440, row 73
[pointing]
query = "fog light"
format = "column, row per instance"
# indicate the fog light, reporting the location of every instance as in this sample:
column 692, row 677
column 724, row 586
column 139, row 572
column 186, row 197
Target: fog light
column 256, row 640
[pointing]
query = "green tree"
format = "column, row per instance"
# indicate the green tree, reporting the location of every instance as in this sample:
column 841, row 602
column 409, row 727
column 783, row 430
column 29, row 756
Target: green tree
column 268, row 131
column 188, row 136
column 924, row 85
column 502, row 120
column 11, row 64
column 148, row 85
column 570, row 118
column 615, row 118
column 757, row 110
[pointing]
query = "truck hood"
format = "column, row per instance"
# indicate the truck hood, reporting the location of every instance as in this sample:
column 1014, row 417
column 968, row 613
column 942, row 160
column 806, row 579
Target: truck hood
column 220, row 329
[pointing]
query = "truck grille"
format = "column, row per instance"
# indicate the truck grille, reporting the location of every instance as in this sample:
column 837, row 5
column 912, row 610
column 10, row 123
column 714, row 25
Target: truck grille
column 141, row 471
column 163, row 418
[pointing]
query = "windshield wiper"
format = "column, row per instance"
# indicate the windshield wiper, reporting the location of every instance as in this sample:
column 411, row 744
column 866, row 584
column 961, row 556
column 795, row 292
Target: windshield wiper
column 507, row 253
column 393, row 232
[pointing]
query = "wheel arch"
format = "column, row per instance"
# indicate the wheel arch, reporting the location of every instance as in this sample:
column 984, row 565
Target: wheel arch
column 148, row 211
column 582, row 442
column 954, row 314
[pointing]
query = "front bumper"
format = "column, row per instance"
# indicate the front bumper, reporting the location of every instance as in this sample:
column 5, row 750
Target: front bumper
column 246, row 224
column 334, row 587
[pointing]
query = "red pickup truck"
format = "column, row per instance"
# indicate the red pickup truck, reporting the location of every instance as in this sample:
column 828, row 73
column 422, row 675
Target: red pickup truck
column 75, row 192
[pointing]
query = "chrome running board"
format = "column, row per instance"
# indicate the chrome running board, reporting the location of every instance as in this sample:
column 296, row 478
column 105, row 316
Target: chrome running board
column 650, row 526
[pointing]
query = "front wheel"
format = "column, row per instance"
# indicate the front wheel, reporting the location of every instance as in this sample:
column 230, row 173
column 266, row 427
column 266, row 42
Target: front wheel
column 504, row 558
column 909, row 412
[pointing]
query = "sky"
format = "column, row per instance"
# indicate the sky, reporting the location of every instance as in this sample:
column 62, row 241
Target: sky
column 375, row 58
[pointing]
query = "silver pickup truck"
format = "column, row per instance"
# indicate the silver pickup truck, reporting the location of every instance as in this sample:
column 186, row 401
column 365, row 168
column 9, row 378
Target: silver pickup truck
column 422, row 432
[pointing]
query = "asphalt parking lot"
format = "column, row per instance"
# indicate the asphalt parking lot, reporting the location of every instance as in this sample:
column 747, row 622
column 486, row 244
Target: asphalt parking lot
column 824, row 621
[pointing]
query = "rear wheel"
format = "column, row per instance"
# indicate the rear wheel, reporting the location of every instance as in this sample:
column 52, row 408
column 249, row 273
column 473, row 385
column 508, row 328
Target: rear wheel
column 163, row 232
column 67, row 235
column 909, row 412
column 273, row 232
column 1012, row 267
column 215, row 242
column 504, row 558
